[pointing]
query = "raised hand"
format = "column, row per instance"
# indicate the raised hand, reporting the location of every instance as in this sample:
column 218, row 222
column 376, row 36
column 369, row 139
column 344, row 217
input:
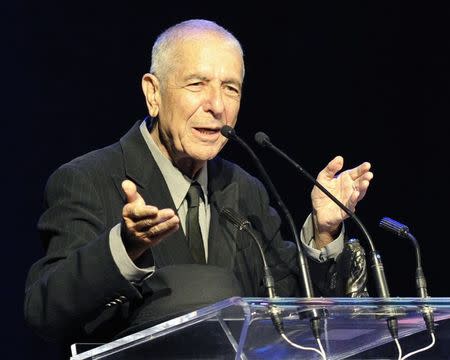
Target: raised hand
column 144, row 225
column 348, row 186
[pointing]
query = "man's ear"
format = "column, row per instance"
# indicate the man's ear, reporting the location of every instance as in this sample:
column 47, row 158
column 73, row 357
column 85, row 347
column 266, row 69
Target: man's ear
column 151, row 88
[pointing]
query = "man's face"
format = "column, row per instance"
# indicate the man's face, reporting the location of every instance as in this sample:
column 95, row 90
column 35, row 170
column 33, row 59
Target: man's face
column 199, row 96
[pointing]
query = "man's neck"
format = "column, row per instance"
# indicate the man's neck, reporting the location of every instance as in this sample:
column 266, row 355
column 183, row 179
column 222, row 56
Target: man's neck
column 188, row 166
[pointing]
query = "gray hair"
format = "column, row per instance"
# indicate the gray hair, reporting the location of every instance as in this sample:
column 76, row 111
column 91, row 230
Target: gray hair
column 162, row 55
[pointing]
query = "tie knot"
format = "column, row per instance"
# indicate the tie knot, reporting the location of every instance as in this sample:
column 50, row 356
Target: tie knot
column 193, row 194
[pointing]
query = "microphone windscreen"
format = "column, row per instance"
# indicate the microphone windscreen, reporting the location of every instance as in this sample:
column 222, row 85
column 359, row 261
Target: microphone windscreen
column 261, row 138
column 236, row 219
column 227, row 131
column 394, row 226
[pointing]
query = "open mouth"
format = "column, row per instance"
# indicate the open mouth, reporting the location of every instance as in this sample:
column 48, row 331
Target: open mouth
column 208, row 135
column 207, row 131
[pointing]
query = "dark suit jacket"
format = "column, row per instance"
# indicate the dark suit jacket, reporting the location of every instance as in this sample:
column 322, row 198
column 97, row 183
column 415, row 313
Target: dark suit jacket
column 77, row 293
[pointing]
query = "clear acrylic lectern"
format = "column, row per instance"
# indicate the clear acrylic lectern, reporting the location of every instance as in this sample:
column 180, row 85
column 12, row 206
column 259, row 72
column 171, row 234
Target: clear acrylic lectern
column 241, row 328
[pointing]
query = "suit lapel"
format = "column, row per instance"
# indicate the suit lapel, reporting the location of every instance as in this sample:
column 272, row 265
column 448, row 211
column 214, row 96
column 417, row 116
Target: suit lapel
column 141, row 168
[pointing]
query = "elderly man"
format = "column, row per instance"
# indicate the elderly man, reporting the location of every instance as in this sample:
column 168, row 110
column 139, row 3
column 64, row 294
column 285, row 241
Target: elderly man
column 133, row 231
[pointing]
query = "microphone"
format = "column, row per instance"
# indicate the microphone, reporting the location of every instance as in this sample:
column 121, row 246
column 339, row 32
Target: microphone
column 314, row 315
column 377, row 266
column 243, row 224
column 402, row 231
column 230, row 133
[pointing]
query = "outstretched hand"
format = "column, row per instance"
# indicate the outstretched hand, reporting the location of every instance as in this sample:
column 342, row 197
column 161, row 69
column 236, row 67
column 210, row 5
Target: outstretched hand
column 144, row 225
column 348, row 186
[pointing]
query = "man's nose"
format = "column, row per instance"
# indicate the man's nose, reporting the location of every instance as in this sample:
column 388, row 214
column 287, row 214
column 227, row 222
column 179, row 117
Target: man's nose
column 214, row 100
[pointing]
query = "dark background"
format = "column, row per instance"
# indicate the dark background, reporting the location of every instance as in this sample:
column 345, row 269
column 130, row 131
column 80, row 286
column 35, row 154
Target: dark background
column 366, row 81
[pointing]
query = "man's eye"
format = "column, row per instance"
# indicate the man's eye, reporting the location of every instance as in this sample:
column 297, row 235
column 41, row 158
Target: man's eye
column 195, row 85
column 232, row 90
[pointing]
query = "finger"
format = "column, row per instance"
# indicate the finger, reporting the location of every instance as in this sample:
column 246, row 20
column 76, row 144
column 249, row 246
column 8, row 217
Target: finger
column 169, row 231
column 137, row 212
column 363, row 181
column 367, row 176
column 131, row 192
column 330, row 171
column 353, row 200
column 163, row 229
column 162, row 216
column 359, row 171
column 362, row 188
column 154, row 235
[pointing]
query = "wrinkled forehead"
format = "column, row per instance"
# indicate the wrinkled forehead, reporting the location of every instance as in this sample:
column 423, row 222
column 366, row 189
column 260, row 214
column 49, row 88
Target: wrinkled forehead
column 198, row 38
column 207, row 48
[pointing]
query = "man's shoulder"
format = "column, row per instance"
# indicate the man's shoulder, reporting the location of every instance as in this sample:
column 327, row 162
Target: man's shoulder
column 102, row 158
column 105, row 159
column 95, row 167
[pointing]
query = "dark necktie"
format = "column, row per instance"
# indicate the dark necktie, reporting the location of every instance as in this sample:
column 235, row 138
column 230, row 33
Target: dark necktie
column 193, row 232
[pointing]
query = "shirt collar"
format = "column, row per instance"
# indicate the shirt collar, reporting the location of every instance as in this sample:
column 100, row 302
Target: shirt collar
column 177, row 183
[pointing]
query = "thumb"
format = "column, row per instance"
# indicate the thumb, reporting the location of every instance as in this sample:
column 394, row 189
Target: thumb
column 333, row 167
column 131, row 191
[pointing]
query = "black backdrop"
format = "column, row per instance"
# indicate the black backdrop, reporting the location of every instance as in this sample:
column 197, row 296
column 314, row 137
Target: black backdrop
column 367, row 81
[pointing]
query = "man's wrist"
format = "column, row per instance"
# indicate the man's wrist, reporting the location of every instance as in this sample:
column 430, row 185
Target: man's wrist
column 131, row 270
column 132, row 248
column 323, row 238
column 323, row 235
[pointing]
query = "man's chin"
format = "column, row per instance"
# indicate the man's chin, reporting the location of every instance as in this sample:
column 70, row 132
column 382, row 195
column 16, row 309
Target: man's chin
column 206, row 157
column 205, row 154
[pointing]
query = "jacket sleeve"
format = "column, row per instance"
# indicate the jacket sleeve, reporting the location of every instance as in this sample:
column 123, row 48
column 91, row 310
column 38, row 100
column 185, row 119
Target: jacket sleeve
column 77, row 281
